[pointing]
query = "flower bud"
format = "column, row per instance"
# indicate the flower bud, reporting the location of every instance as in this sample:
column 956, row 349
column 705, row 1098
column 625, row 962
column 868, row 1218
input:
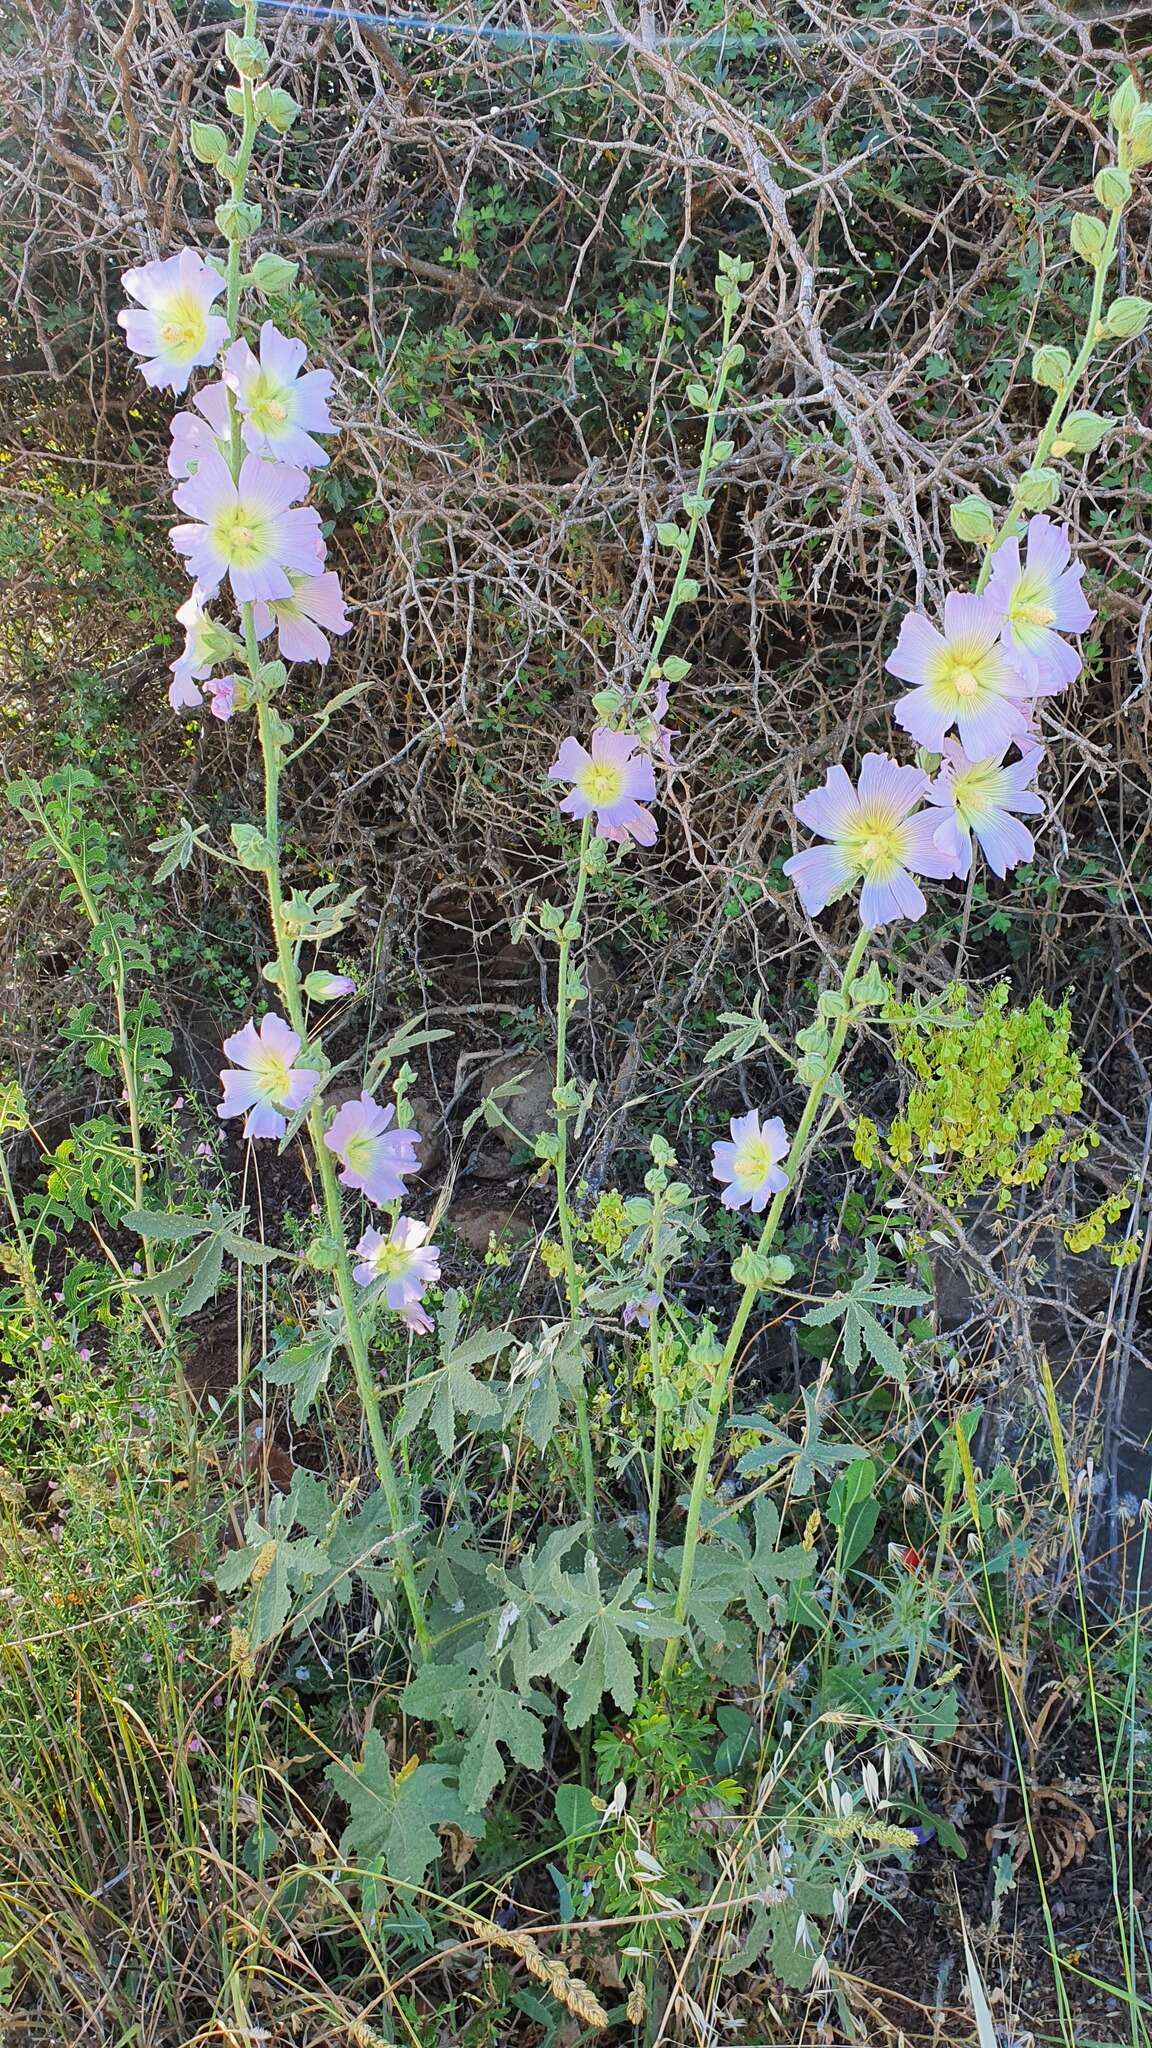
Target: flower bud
column 1126, row 318
column 1125, row 103
column 247, row 53
column 1087, row 236
column 1039, row 488
column 272, row 274
column 277, row 107
column 327, row 988
column 208, row 143
column 1082, row 432
column 1050, row 367
column 237, row 219
column 1113, row 187
column 973, row 519
column 1139, row 139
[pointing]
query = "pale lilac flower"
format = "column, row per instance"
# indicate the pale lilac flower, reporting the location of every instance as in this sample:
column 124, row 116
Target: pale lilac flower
column 313, row 602
column 642, row 1310
column 406, row 1264
column 1039, row 601
column 655, row 736
column 978, row 798
column 614, row 781
column 222, row 696
column 200, row 433
column 374, row 1157
column 177, row 329
column 253, row 531
column 281, row 408
column 751, row 1163
column 264, row 1086
column 195, row 660
column 874, row 840
column 962, row 677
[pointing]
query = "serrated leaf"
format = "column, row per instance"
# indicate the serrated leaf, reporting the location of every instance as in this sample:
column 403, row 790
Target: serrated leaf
column 855, row 1308
column 453, row 1390
column 393, row 1822
column 305, row 1368
column 174, row 1226
column 474, row 1701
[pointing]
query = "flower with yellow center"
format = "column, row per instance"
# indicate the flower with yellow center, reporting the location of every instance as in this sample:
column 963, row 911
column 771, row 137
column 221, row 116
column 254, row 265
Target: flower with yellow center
column 1037, row 602
column 963, row 676
column 876, row 837
column 172, row 325
column 281, row 405
column 750, row 1163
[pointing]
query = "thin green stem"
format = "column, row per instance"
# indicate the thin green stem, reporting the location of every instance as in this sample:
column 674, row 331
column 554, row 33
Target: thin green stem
column 570, row 932
column 793, row 1163
column 1010, row 524
column 355, row 1343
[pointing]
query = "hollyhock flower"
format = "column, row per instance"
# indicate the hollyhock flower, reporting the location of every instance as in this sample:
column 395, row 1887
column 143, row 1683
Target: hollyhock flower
column 751, row 1163
column 655, row 736
column 196, row 658
column 177, row 329
column 253, row 531
column 264, row 1086
column 314, row 601
column 406, row 1264
column 281, row 408
column 200, row 433
column 962, row 677
column 873, row 838
column 183, row 695
column 642, row 1310
column 374, row 1157
column 1039, row 601
column 978, row 799
column 221, row 696
column 614, row 781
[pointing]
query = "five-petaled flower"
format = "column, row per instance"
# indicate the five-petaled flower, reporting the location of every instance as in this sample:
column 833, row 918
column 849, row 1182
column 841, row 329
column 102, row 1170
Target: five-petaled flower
column 253, row 531
column 406, row 1263
column 1037, row 602
column 750, row 1164
column 874, row 839
column 977, row 799
column 281, row 410
column 172, row 325
column 963, row 677
column 613, row 781
column 375, row 1157
column 265, row 1086
column 314, row 602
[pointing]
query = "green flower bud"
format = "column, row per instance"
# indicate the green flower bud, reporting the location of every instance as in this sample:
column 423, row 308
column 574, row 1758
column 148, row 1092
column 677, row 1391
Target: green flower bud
column 1126, row 318
column 1082, row 432
column 247, row 53
column 237, row 219
column 1050, row 367
column 1125, row 103
column 1138, row 140
column 1039, row 488
column 273, row 275
column 1113, row 187
column 973, row 519
column 277, row 107
column 208, row 142
column 1087, row 236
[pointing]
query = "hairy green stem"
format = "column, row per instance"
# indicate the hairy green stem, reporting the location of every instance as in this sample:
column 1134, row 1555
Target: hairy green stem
column 288, row 977
column 1010, row 524
column 569, row 933
column 744, row 1307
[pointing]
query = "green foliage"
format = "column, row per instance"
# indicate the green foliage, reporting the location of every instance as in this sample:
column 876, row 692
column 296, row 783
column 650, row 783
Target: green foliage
column 993, row 1091
column 393, row 1819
